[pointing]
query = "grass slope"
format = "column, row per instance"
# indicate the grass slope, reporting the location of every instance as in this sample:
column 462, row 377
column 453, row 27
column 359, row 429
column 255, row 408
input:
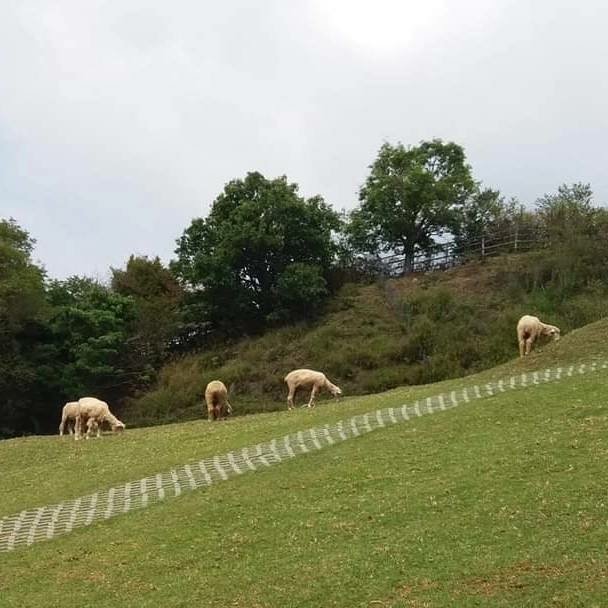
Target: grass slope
column 410, row 331
column 51, row 461
column 498, row 503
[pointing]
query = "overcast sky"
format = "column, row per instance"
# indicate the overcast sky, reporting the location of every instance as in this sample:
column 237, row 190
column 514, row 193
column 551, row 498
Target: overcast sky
column 122, row 120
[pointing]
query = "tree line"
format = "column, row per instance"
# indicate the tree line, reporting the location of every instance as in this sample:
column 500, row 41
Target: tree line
column 263, row 256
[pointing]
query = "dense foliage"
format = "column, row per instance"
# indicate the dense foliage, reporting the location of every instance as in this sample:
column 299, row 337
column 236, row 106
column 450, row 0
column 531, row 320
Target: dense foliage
column 22, row 315
column 155, row 329
column 266, row 258
column 261, row 256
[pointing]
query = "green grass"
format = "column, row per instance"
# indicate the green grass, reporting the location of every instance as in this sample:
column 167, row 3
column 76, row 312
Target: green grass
column 501, row 502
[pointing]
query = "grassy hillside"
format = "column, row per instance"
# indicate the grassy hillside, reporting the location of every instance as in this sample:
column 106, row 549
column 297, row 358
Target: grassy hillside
column 410, row 331
column 500, row 502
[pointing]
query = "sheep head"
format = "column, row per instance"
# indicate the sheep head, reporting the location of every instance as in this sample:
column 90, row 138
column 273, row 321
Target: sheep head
column 336, row 391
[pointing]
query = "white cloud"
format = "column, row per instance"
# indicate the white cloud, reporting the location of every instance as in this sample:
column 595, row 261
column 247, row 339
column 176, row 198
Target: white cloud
column 120, row 121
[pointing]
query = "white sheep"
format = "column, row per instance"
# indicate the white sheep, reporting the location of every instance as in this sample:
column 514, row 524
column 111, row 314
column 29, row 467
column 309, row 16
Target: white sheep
column 69, row 414
column 95, row 412
column 216, row 398
column 304, row 378
column 529, row 329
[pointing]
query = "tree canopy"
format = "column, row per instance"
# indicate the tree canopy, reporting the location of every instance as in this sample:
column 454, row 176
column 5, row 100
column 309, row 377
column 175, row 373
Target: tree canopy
column 262, row 254
column 22, row 314
column 411, row 196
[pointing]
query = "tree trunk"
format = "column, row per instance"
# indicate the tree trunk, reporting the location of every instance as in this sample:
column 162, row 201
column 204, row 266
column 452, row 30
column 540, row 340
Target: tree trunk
column 408, row 260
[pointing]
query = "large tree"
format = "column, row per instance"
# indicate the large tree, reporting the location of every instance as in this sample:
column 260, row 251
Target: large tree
column 22, row 316
column 262, row 255
column 411, row 196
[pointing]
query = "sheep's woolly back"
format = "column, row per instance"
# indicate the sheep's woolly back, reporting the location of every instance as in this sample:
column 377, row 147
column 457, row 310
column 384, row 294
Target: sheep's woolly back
column 91, row 407
column 306, row 377
column 70, row 410
column 309, row 377
column 216, row 393
column 532, row 327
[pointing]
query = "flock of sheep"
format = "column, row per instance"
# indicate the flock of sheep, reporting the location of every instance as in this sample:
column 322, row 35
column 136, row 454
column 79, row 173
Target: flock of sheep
column 91, row 413
column 216, row 394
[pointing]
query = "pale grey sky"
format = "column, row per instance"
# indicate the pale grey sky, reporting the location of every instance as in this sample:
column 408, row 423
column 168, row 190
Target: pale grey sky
column 122, row 120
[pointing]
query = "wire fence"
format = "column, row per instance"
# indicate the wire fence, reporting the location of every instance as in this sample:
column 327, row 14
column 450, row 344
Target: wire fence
column 442, row 256
column 47, row 522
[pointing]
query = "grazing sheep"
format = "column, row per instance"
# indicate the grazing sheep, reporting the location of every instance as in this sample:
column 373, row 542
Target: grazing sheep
column 69, row 414
column 529, row 329
column 216, row 398
column 300, row 378
column 95, row 412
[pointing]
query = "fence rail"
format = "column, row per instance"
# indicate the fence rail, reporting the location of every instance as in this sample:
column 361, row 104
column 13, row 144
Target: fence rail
column 443, row 256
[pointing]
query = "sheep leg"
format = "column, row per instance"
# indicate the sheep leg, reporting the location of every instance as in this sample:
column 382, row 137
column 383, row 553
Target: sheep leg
column 90, row 423
column 522, row 346
column 61, row 427
column 313, row 394
column 78, row 428
column 529, row 343
column 290, row 398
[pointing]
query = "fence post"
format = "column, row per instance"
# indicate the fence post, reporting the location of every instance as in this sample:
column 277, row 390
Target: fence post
column 483, row 246
column 516, row 236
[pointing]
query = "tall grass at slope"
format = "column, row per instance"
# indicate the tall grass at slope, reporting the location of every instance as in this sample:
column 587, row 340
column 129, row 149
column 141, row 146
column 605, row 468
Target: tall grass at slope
column 409, row 331
column 499, row 503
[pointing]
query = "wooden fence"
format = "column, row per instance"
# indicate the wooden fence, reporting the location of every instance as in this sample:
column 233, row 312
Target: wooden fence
column 442, row 256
